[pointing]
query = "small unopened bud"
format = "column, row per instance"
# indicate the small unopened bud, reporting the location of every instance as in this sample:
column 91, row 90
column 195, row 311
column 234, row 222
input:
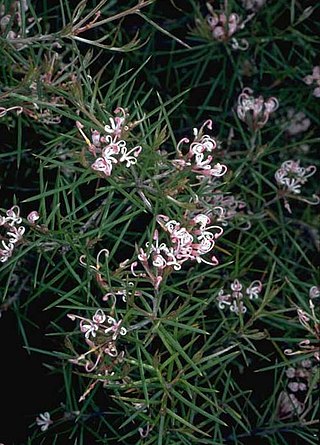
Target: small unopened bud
column 33, row 217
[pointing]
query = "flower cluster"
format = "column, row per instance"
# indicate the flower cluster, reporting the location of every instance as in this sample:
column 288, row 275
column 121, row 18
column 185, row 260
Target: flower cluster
column 13, row 231
column 101, row 334
column 13, row 19
column 311, row 324
column 288, row 405
column 255, row 111
column 314, row 80
column 234, row 298
column 300, row 377
column 224, row 208
column 190, row 244
column 291, row 176
column 296, row 122
column 199, row 156
column 109, row 149
column 223, row 26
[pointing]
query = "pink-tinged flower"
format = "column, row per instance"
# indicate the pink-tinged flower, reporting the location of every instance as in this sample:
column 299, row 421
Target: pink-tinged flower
column 6, row 252
column 33, row 217
column 101, row 334
column 89, row 328
column 44, row 421
column 223, row 26
column 288, row 405
column 186, row 244
column 99, row 317
column 102, row 165
column 255, row 111
column 95, row 136
column 223, row 299
column 236, row 286
column 110, row 147
column 221, row 208
column 235, row 299
column 291, row 176
column 116, row 124
column 13, row 216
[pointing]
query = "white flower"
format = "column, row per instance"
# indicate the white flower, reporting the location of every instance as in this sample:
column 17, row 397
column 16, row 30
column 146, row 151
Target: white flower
column 254, row 289
column 44, row 421
column 16, row 234
column 6, row 252
column 115, row 126
column 127, row 157
column 13, row 216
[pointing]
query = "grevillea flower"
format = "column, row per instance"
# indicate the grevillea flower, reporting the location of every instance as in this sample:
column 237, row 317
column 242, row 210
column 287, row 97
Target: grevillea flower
column 223, row 26
column 199, row 155
column 190, row 243
column 109, row 149
column 33, row 217
column 310, row 322
column 13, row 231
column 255, row 111
column 102, row 165
column 117, row 124
column 291, row 176
column 101, row 333
column 234, row 298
